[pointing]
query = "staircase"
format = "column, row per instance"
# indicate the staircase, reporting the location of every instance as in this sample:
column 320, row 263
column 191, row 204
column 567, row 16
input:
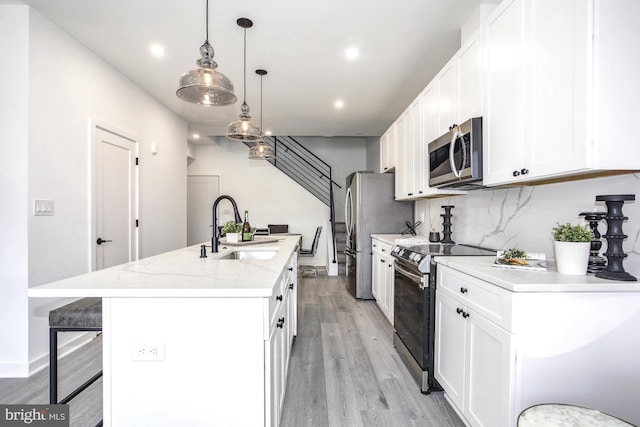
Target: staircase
column 341, row 245
column 309, row 171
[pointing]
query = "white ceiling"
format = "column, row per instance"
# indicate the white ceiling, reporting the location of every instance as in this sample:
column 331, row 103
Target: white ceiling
column 402, row 43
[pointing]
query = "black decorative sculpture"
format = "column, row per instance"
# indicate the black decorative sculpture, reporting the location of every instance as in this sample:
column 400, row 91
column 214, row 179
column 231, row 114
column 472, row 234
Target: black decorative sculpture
column 596, row 262
column 446, row 224
column 615, row 255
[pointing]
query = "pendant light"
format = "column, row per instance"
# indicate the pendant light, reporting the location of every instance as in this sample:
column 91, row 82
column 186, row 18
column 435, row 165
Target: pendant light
column 205, row 85
column 244, row 129
column 261, row 151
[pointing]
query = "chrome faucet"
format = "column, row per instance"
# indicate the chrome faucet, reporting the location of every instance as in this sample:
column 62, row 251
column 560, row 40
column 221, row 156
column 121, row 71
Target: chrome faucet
column 216, row 238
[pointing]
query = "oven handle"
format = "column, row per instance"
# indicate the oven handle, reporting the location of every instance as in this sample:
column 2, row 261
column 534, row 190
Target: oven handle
column 407, row 273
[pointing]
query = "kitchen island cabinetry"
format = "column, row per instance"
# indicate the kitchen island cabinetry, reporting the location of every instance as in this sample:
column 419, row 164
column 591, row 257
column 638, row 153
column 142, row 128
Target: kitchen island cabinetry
column 382, row 276
column 557, row 81
column 195, row 341
column 507, row 340
column 283, row 328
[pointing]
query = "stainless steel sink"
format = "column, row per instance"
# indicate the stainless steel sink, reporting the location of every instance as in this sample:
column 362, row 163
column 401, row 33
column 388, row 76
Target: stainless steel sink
column 243, row 255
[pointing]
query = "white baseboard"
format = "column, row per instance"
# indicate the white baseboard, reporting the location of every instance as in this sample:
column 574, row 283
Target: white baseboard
column 42, row 362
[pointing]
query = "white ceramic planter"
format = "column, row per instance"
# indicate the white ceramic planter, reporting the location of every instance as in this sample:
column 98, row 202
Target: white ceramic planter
column 234, row 237
column 572, row 257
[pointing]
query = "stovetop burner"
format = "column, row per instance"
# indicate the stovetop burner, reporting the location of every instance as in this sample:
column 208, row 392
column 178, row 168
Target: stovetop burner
column 419, row 256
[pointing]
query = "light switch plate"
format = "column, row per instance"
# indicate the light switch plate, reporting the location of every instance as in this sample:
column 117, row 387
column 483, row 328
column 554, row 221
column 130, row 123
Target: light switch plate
column 42, row 207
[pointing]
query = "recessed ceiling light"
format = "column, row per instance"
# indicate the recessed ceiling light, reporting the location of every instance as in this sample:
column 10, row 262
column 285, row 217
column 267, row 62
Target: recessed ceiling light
column 157, row 50
column 267, row 132
column 339, row 103
column 196, row 136
column 352, row 53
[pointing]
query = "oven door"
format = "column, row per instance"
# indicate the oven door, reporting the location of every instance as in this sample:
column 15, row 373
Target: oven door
column 410, row 310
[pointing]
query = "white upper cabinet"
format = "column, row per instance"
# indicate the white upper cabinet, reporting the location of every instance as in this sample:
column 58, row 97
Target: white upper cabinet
column 558, row 79
column 388, row 150
column 447, row 84
column 470, row 81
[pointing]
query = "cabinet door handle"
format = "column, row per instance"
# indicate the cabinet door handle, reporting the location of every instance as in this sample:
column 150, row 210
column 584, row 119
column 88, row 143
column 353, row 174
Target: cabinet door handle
column 410, row 194
column 382, row 260
column 290, row 268
column 516, row 173
column 390, row 265
column 465, row 314
column 280, row 323
column 463, row 290
column 279, row 297
column 459, row 310
column 524, row 171
column 290, row 285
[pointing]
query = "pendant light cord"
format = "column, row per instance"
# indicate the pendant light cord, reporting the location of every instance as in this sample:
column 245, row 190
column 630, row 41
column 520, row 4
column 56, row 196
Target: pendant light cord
column 244, row 95
column 207, row 21
column 261, row 103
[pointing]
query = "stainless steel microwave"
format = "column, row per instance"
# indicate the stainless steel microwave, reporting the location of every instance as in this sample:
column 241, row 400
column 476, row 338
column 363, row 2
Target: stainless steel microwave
column 455, row 158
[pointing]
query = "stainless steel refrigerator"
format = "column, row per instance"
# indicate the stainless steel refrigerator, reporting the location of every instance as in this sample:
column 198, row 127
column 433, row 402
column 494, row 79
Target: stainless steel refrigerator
column 370, row 208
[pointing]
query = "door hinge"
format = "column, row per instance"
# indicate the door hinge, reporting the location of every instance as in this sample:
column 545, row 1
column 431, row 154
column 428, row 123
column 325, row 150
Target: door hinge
column 136, row 161
column 136, row 223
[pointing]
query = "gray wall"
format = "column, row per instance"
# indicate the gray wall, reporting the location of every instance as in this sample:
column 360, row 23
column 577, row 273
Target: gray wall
column 373, row 153
column 344, row 154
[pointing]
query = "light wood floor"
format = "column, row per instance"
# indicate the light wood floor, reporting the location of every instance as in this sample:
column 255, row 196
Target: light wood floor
column 343, row 371
column 73, row 370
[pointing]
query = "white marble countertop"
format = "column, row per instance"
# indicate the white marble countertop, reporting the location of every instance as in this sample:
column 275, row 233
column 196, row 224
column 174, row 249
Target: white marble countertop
column 182, row 273
column 550, row 280
column 391, row 238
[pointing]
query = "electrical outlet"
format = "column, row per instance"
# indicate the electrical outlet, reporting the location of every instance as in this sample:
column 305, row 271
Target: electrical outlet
column 148, row 351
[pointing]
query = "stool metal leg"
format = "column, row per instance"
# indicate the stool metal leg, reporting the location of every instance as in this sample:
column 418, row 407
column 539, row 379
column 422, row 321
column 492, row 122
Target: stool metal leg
column 53, row 365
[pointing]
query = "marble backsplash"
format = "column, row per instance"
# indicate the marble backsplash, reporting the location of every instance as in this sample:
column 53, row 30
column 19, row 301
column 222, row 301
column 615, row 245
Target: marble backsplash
column 524, row 216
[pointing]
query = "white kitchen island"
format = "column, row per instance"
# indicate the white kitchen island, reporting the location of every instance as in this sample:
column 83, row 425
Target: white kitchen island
column 193, row 341
column 508, row 339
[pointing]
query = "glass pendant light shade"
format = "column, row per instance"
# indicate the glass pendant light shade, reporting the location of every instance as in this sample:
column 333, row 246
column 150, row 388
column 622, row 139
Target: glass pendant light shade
column 205, row 85
column 244, row 129
column 261, row 151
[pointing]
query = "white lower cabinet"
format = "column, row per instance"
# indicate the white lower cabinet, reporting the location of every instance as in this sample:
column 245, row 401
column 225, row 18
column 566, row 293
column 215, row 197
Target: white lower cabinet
column 283, row 328
column 474, row 351
column 382, row 276
column 473, row 358
column 498, row 352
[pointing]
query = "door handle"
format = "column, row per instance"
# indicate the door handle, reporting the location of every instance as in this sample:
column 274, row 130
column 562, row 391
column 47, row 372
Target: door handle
column 101, row 241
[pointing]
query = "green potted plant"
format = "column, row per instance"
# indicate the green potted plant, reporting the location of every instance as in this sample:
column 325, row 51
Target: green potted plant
column 571, row 244
column 233, row 231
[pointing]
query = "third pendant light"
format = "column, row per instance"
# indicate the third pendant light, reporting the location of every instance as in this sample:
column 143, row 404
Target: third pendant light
column 244, row 129
column 261, row 151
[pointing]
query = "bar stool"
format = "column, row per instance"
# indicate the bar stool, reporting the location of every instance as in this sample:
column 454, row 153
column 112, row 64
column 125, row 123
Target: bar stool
column 310, row 253
column 82, row 315
column 558, row 414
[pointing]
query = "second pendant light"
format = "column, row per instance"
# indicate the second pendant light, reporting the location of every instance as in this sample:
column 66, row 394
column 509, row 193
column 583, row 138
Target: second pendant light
column 244, row 129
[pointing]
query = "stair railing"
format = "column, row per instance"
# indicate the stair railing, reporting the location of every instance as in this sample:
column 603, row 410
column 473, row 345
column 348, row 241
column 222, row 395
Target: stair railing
column 308, row 170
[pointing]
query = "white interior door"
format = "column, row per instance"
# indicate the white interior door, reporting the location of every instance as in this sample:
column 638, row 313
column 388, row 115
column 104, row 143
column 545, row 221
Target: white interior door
column 114, row 192
column 202, row 191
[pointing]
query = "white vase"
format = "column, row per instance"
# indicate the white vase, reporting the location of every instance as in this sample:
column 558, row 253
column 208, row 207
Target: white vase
column 234, row 237
column 572, row 257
